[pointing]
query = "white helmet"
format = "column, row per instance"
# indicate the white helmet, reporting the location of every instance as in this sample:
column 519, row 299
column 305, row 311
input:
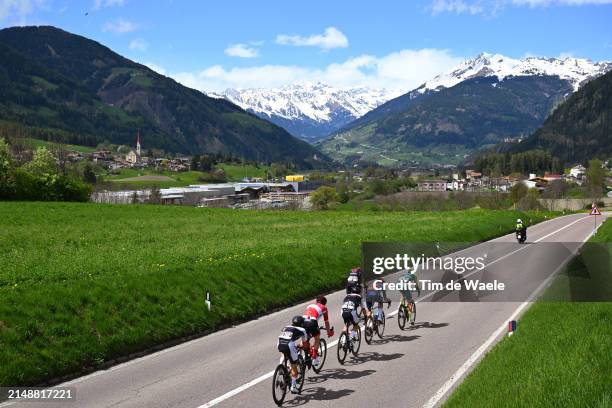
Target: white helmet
column 519, row 221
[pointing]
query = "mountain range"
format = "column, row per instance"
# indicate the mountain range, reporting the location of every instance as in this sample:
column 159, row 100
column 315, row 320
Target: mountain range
column 483, row 101
column 308, row 110
column 580, row 128
column 59, row 86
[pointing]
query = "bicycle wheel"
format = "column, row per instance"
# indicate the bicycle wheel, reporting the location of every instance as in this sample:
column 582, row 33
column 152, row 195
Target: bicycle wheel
column 280, row 382
column 301, row 373
column 380, row 327
column 343, row 346
column 357, row 343
column 322, row 356
column 401, row 317
column 369, row 330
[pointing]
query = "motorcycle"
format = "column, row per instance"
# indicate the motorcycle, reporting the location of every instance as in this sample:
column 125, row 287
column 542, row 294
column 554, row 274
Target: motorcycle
column 521, row 235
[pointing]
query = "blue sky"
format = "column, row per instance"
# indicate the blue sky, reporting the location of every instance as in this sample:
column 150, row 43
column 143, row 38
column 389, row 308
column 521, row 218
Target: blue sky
column 211, row 45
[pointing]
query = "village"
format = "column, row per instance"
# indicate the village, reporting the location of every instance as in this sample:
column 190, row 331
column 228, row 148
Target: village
column 292, row 191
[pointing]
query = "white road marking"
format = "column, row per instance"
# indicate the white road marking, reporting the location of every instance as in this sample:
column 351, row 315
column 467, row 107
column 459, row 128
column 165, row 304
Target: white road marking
column 256, row 381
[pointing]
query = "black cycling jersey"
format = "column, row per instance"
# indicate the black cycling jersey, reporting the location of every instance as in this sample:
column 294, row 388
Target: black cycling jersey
column 352, row 301
column 291, row 334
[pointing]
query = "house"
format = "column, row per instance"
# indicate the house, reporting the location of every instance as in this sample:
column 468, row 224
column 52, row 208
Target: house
column 577, row 171
column 455, row 185
column 551, row 177
column 132, row 157
column 432, row 185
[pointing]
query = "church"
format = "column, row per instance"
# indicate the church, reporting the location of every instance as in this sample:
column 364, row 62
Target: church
column 134, row 157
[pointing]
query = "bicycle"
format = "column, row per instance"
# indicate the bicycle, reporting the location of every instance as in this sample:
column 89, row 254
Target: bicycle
column 346, row 344
column 373, row 325
column 406, row 313
column 281, row 380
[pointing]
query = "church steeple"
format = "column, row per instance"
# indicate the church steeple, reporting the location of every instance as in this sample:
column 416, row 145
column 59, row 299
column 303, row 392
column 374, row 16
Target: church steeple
column 138, row 143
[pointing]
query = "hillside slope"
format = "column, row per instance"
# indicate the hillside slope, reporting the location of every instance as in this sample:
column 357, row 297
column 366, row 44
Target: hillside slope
column 580, row 128
column 69, row 87
column 445, row 125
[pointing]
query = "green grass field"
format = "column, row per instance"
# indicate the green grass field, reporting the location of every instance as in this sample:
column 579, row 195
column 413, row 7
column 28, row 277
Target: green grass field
column 560, row 355
column 237, row 172
column 180, row 179
column 83, row 283
column 69, row 147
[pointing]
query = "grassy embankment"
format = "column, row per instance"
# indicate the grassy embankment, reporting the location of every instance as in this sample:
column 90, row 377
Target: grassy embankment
column 561, row 355
column 84, row 283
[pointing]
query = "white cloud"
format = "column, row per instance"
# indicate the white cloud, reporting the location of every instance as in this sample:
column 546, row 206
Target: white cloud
column 139, row 45
column 536, row 3
column 405, row 70
column 242, row 51
column 492, row 7
column 98, row 4
column 120, row 26
column 331, row 38
column 455, row 6
column 15, row 8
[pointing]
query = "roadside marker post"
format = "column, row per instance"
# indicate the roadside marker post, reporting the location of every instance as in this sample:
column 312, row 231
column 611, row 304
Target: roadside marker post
column 208, row 300
column 595, row 212
column 511, row 327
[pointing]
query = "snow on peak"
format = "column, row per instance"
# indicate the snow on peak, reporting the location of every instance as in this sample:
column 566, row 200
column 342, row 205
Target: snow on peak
column 575, row 70
column 313, row 100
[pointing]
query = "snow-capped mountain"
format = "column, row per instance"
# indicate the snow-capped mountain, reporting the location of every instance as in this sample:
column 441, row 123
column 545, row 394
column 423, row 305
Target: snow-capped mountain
column 309, row 110
column 575, row 70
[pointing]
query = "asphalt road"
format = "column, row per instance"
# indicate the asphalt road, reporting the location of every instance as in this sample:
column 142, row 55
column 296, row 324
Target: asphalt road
column 410, row 368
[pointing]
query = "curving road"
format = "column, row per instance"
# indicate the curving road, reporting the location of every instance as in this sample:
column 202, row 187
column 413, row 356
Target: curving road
column 411, row 368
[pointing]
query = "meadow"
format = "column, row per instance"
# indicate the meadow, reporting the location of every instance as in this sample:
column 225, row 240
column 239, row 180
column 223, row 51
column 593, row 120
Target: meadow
column 560, row 355
column 84, row 283
column 127, row 178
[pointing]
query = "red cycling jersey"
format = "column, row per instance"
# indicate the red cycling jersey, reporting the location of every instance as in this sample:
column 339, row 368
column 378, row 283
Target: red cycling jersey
column 315, row 311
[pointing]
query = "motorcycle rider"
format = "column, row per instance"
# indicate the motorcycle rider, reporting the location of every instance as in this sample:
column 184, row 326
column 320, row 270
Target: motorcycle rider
column 521, row 228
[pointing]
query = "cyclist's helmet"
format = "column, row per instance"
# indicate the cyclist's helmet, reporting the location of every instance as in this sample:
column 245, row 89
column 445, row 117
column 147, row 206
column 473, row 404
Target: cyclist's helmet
column 322, row 300
column 297, row 321
column 519, row 221
column 353, row 289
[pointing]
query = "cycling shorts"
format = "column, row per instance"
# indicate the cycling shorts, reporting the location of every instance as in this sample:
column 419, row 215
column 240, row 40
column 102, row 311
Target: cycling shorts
column 290, row 350
column 312, row 327
column 350, row 316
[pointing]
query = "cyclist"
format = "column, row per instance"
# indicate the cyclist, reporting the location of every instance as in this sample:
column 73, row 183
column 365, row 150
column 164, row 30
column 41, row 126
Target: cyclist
column 313, row 313
column 374, row 295
column 289, row 341
column 351, row 304
column 354, row 278
column 407, row 293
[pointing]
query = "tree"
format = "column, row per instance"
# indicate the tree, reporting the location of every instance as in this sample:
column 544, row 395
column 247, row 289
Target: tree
column 596, row 178
column 7, row 180
column 322, row 197
column 518, row 191
column 43, row 162
column 88, row 174
column 556, row 189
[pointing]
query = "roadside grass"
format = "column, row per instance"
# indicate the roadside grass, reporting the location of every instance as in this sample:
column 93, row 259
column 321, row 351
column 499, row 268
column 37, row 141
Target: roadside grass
column 560, row 355
column 84, row 283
